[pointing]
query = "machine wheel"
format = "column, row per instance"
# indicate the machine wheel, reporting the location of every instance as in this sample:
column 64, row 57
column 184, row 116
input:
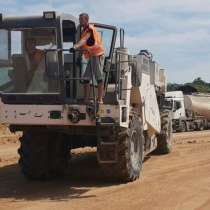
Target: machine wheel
column 59, row 154
column 41, row 156
column 34, row 155
column 130, row 153
column 165, row 137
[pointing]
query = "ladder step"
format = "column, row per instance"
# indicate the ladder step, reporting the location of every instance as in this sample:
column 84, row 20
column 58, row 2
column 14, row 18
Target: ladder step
column 108, row 143
column 105, row 124
column 107, row 162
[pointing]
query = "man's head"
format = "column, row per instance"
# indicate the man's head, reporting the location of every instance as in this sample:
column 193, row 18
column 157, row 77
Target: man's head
column 30, row 45
column 84, row 19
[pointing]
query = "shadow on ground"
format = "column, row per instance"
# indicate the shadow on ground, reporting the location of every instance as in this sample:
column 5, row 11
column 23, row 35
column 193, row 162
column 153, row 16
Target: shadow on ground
column 82, row 175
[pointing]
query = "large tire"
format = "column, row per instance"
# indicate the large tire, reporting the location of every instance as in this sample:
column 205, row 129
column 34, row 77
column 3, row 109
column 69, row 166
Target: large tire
column 59, row 154
column 34, row 155
column 42, row 155
column 165, row 137
column 130, row 153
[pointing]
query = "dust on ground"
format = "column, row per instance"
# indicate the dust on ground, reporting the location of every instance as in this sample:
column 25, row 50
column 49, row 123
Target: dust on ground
column 180, row 180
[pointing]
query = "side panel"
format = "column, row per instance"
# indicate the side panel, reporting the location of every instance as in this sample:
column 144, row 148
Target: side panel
column 41, row 114
column 150, row 106
column 152, row 110
column 141, row 80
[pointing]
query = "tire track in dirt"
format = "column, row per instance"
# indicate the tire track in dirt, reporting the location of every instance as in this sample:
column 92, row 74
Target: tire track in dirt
column 177, row 181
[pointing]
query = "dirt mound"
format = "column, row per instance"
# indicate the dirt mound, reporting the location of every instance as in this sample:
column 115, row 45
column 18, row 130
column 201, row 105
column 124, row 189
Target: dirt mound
column 6, row 136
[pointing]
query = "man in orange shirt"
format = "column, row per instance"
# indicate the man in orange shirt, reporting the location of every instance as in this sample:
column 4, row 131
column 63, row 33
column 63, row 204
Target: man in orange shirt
column 93, row 51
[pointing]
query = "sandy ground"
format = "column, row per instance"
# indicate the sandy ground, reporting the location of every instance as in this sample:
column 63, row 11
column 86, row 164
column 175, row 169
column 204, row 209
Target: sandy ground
column 180, row 180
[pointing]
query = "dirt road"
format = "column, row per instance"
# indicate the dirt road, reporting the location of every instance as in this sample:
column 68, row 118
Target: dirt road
column 180, row 180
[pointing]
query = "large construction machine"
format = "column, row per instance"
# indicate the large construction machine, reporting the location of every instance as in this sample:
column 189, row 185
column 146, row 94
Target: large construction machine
column 43, row 96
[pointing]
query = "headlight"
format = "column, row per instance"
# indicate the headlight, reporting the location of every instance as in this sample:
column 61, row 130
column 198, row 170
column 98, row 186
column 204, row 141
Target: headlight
column 49, row 15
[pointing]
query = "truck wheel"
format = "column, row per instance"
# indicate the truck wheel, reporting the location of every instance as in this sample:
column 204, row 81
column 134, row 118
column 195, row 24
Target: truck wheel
column 201, row 127
column 183, row 127
column 165, row 137
column 42, row 155
column 130, row 153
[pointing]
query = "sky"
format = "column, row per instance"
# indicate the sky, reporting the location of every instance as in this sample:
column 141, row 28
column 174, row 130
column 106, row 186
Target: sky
column 176, row 32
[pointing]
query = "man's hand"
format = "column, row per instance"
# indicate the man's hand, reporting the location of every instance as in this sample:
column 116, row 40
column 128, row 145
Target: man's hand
column 72, row 50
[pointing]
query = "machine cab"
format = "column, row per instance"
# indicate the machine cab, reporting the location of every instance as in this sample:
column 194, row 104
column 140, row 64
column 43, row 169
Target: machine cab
column 36, row 66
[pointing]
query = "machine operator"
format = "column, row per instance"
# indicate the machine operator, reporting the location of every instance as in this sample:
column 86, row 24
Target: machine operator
column 92, row 50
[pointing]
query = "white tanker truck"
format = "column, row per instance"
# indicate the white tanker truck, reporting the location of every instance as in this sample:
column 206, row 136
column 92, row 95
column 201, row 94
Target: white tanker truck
column 190, row 112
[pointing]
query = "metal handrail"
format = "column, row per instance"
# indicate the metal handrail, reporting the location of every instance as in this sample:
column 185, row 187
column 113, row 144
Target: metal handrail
column 77, row 78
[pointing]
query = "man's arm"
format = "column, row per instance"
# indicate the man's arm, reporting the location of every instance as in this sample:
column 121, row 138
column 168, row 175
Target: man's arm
column 82, row 42
column 94, row 47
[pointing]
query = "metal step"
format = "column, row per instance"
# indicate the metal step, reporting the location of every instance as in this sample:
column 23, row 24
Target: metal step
column 106, row 124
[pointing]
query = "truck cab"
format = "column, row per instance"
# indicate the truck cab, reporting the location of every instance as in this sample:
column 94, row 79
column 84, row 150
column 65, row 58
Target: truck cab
column 177, row 104
column 176, row 100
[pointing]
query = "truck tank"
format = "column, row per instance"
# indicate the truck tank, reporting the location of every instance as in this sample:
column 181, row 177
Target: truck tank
column 199, row 103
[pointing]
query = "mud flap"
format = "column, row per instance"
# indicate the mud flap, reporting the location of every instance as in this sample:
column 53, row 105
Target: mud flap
column 106, row 145
column 107, row 152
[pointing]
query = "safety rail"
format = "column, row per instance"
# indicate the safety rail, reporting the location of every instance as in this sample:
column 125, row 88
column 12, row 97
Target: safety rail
column 75, row 78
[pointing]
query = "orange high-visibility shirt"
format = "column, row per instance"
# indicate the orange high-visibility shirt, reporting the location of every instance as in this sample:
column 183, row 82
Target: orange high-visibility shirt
column 97, row 48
